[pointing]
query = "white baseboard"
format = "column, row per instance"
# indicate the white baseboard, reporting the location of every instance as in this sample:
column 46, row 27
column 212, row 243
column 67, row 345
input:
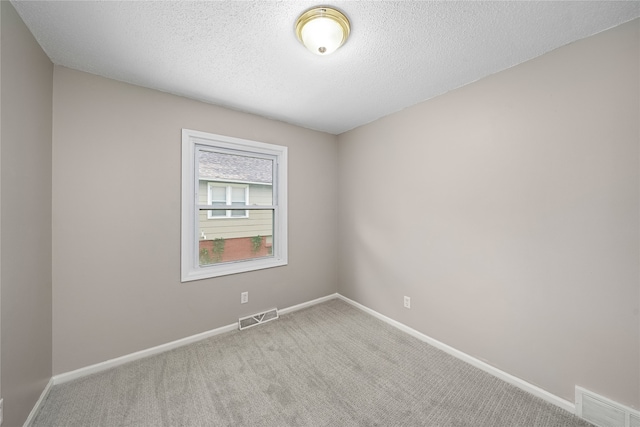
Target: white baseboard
column 307, row 304
column 520, row 383
column 112, row 363
column 36, row 407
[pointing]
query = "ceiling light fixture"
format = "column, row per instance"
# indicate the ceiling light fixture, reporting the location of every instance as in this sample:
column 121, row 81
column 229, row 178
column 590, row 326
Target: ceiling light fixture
column 322, row 29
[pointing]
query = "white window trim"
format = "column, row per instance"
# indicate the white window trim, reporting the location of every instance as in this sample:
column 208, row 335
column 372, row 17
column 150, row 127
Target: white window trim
column 227, row 199
column 190, row 268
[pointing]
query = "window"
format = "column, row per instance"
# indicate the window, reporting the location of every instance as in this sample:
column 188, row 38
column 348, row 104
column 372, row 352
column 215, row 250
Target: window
column 234, row 205
column 221, row 194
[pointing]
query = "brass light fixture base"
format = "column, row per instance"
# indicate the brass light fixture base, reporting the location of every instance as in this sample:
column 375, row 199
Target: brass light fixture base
column 326, row 13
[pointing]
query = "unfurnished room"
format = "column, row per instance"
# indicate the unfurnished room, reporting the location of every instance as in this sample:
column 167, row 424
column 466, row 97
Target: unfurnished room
column 295, row 213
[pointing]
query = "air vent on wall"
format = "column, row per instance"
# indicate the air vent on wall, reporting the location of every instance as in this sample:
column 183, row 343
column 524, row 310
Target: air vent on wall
column 257, row 319
column 604, row 412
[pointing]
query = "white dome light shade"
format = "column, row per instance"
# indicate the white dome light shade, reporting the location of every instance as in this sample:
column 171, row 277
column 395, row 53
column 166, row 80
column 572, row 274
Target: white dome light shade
column 322, row 35
column 322, row 30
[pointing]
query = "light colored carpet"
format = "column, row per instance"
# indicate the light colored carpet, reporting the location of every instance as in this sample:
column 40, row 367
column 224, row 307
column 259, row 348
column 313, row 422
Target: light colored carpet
column 327, row 365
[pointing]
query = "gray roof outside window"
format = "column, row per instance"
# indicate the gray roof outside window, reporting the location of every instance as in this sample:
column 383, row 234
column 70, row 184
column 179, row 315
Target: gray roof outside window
column 230, row 167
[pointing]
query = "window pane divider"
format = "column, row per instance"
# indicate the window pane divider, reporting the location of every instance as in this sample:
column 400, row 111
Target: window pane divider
column 237, row 208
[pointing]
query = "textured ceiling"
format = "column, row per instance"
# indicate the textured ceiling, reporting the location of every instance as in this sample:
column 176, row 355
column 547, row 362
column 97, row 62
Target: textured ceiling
column 245, row 55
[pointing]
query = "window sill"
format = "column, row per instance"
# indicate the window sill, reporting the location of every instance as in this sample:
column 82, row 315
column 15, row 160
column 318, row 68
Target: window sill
column 232, row 268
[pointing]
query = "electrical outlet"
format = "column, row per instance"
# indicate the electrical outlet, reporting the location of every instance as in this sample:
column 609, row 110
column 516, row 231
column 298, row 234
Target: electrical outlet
column 244, row 297
column 407, row 302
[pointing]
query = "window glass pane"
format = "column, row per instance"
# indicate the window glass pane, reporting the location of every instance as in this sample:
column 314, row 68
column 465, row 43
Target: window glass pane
column 218, row 194
column 232, row 240
column 218, row 213
column 234, row 168
column 237, row 195
column 238, row 213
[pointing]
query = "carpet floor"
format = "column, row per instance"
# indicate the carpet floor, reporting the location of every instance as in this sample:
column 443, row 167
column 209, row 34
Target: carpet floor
column 327, row 365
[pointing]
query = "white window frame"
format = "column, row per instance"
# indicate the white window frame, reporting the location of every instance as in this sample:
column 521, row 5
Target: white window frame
column 190, row 268
column 227, row 187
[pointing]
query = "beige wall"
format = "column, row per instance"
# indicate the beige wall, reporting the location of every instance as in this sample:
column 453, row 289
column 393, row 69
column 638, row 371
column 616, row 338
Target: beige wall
column 25, row 228
column 508, row 211
column 116, row 277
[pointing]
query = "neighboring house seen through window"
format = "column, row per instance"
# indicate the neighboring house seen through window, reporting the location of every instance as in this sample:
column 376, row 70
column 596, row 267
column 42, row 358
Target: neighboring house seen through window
column 234, row 205
column 221, row 194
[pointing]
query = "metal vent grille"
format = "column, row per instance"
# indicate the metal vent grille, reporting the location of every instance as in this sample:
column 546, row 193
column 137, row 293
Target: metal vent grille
column 601, row 413
column 604, row 412
column 257, row 319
